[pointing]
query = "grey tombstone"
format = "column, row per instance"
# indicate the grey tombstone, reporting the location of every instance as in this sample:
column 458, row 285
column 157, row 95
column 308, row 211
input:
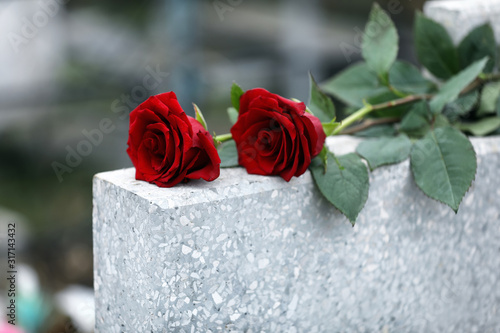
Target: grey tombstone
column 248, row 253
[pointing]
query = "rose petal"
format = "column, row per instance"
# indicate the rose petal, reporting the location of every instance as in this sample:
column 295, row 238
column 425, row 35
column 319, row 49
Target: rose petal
column 316, row 133
column 207, row 166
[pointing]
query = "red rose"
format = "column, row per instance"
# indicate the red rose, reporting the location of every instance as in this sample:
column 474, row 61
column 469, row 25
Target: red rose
column 275, row 136
column 166, row 146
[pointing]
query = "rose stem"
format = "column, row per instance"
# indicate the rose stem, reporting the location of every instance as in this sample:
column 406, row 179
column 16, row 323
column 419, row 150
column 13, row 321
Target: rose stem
column 223, row 137
column 367, row 123
column 481, row 79
column 369, row 108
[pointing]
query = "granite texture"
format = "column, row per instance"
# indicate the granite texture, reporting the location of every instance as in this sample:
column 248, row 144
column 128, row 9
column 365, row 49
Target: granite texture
column 250, row 253
column 459, row 16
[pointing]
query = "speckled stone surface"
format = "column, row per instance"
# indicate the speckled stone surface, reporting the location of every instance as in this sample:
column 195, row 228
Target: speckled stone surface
column 459, row 16
column 249, row 253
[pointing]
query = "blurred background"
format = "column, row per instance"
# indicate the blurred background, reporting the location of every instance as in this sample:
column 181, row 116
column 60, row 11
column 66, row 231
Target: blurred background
column 72, row 70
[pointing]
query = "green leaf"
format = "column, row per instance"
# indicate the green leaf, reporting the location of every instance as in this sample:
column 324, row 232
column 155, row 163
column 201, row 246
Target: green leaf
column 380, row 42
column 348, row 110
column 435, row 49
column 498, row 107
column 236, row 93
column 199, row 116
column 328, row 128
column 489, row 98
column 345, row 183
column 443, row 164
column 233, row 115
column 319, row 103
column 354, row 84
column 416, row 122
column 394, row 111
column 385, row 96
column 383, row 151
column 479, row 43
column 323, row 156
column 407, row 78
column 228, row 154
column 440, row 121
column 482, row 127
column 461, row 106
column 452, row 88
column 377, row 131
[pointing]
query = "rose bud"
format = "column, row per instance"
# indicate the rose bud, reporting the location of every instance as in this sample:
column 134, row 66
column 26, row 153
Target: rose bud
column 167, row 147
column 275, row 136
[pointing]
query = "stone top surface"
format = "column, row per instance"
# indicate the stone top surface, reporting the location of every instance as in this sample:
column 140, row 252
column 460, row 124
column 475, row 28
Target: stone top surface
column 459, row 16
column 460, row 5
column 235, row 182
